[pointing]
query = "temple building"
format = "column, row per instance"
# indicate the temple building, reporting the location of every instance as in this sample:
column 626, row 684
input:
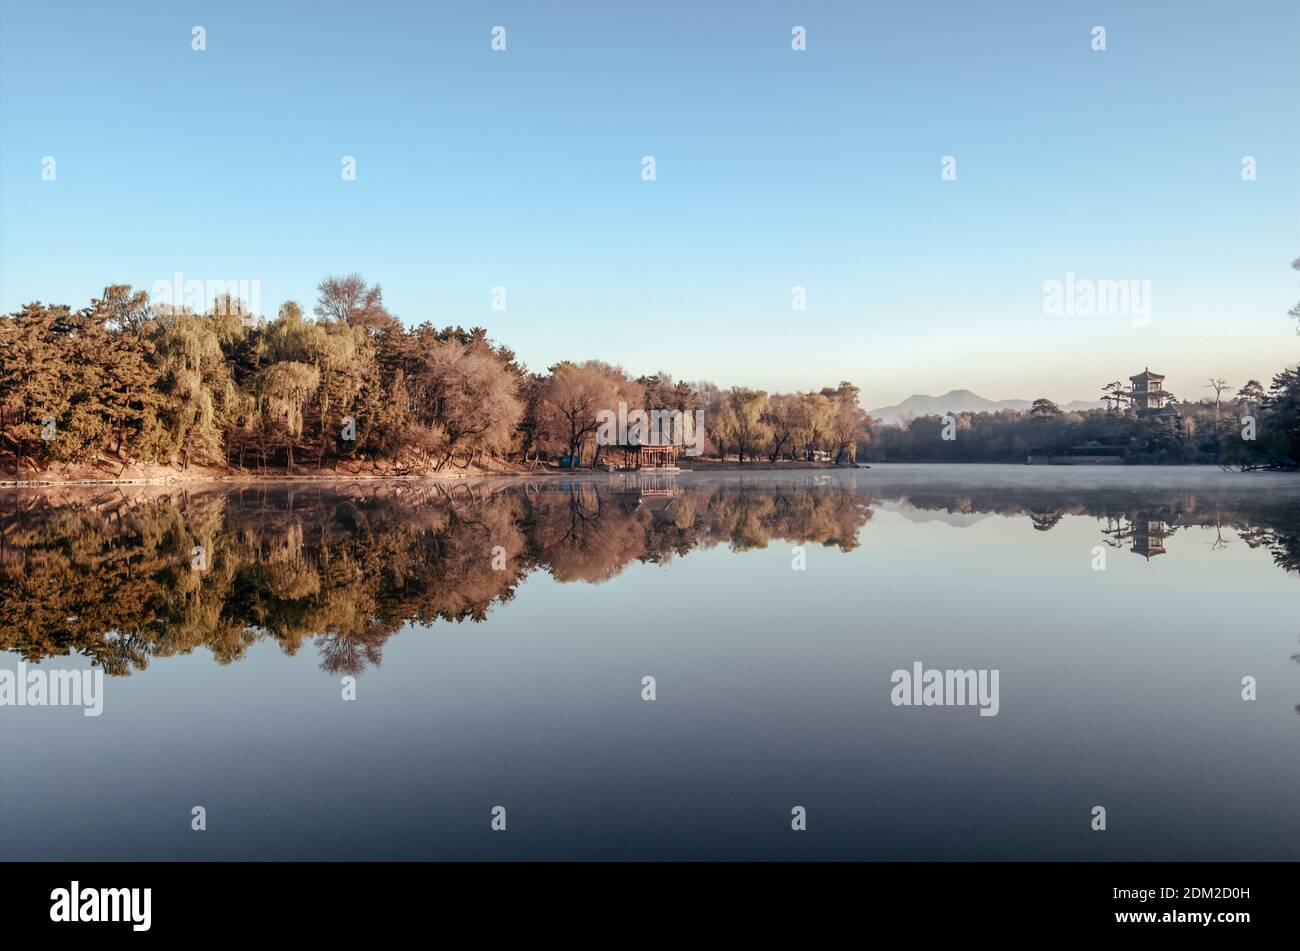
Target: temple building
column 1148, row 391
column 1148, row 396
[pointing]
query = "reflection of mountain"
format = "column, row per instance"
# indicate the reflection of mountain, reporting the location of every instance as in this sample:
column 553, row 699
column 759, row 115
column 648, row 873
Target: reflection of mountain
column 921, row 516
column 109, row 576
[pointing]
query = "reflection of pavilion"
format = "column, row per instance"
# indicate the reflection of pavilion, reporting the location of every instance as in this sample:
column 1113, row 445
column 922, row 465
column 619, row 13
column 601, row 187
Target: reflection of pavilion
column 1145, row 532
column 654, row 491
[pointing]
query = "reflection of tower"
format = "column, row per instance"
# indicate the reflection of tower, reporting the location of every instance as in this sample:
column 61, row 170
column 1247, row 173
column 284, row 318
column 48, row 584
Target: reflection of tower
column 1145, row 532
column 1046, row 521
column 1149, row 534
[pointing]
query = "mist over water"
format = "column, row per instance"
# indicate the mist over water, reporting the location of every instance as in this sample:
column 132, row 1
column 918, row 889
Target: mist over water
column 499, row 633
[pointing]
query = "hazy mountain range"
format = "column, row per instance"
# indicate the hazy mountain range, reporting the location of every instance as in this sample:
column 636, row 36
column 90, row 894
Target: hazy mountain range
column 959, row 401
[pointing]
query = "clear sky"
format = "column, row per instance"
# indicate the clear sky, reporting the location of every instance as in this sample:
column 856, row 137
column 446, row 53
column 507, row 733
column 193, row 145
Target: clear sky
column 775, row 168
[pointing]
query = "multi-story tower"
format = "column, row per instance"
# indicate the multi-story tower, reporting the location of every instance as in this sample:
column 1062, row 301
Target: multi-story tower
column 1148, row 393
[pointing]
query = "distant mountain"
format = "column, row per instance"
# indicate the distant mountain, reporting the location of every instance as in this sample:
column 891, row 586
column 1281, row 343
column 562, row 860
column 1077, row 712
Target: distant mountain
column 959, row 401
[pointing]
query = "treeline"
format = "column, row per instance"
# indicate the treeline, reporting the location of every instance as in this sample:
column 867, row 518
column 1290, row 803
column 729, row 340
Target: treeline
column 1256, row 426
column 124, row 381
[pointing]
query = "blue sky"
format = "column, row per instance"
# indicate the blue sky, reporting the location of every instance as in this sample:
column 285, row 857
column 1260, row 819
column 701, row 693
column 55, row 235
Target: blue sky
column 775, row 168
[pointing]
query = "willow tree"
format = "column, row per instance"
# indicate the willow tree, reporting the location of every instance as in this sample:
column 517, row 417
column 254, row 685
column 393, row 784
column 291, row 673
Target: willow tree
column 284, row 389
column 781, row 416
column 343, row 355
column 708, row 399
column 812, row 420
column 200, row 397
column 742, row 421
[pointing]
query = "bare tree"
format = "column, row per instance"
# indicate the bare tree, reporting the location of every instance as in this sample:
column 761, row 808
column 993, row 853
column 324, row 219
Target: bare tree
column 848, row 422
column 1218, row 386
column 570, row 399
column 780, row 416
column 352, row 301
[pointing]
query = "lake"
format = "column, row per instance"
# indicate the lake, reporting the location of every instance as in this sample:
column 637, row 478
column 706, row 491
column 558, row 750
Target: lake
column 388, row 670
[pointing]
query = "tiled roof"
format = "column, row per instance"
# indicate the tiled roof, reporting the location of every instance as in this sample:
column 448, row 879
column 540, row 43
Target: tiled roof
column 1146, row 374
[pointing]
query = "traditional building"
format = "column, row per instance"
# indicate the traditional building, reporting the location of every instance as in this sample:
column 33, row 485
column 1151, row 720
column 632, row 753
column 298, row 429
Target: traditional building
column 661, row 456
column 1149, row 398
column 1148, row 392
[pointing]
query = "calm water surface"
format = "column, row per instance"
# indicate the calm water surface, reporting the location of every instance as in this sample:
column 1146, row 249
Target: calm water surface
column 498, row 634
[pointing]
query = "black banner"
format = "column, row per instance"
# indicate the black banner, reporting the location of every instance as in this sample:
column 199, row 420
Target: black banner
column 1217, row 901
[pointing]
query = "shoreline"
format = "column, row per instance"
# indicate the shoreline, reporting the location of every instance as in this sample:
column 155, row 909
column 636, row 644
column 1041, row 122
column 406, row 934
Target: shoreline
column 210, row 477
column 242, row 480
column 710, row 467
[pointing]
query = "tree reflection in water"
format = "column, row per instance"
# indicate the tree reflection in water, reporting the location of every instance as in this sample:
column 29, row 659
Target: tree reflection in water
column 108, row 575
